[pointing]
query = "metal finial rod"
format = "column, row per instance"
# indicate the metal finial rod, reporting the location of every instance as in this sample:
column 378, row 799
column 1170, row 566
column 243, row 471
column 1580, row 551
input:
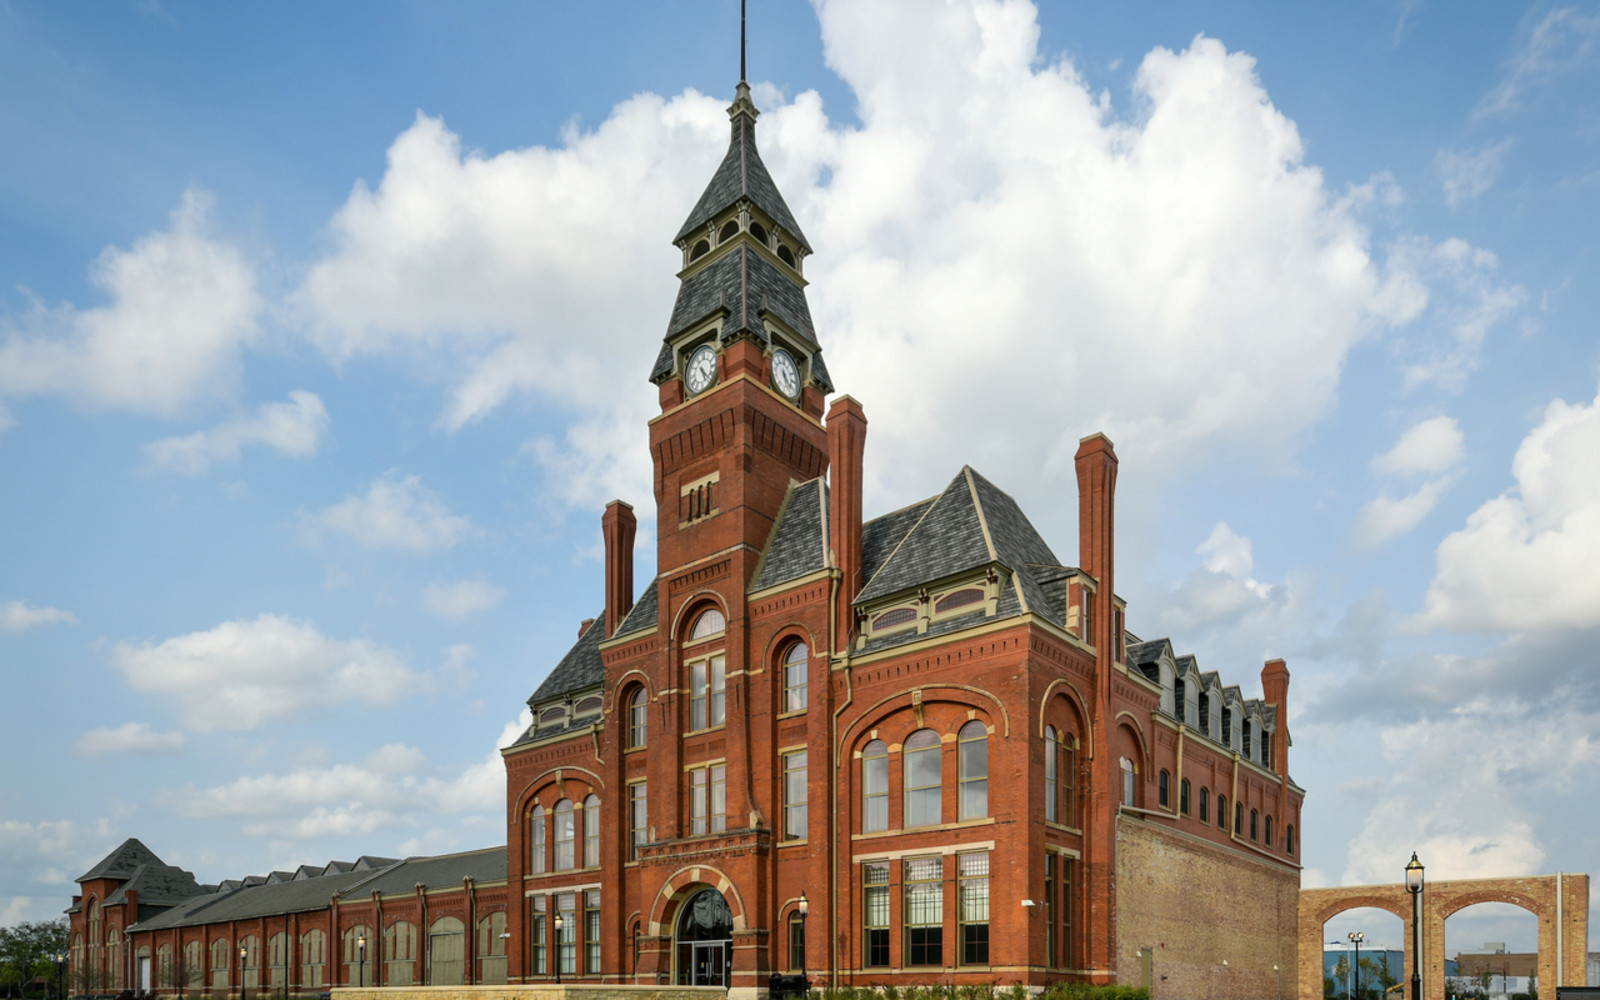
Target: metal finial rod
column 741, row 40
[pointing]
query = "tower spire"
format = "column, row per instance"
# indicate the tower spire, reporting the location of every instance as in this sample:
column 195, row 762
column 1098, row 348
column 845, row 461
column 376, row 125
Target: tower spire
column 741, row 41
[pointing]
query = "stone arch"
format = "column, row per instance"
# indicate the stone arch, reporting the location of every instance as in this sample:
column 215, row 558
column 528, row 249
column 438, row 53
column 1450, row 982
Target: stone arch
column 889, row 705
column 678, row 886
column 691, row 607
column 1079, row 706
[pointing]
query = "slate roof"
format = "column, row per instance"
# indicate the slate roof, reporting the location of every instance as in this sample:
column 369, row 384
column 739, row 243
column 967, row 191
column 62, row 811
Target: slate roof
column 643, row 616
column 157, row 884
column 580, row 668
column 882, row 535
column 742, row 175
column 122, row 862
column 441, row 872
column 251, row 899
column 799, row 542
column 745, row 285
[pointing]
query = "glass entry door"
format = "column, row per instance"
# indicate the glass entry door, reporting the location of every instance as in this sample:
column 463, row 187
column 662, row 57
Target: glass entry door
column 705, row 940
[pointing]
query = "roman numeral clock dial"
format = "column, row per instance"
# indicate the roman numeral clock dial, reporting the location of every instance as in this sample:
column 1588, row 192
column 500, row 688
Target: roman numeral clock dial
column 702, row 369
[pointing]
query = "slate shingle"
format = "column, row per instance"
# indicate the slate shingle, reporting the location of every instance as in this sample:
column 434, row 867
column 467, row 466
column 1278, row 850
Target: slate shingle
column 799, row 543
column 580, row 668
column 742, row 175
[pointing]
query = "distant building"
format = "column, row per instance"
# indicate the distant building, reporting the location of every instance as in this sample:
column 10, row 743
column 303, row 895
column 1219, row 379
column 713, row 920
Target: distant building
column 1336, row 965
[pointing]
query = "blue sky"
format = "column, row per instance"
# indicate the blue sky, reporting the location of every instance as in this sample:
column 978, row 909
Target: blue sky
column 324, row 334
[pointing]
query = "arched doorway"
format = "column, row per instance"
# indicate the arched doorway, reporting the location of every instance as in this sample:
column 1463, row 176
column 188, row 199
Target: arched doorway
column 704, row 940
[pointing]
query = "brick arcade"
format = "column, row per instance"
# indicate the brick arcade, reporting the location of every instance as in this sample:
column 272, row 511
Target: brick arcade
column 916, row 748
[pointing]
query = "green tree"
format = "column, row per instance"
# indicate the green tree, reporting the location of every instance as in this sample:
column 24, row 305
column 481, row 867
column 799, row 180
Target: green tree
column 28, row 952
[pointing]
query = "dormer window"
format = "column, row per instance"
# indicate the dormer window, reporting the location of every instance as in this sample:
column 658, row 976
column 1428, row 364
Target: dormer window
column 700, row 249
column 894, row 619
column 759, row 232
column 958, row 599
column 786, row 255
column 553, row 716
column 587, row 706
column 730, row 229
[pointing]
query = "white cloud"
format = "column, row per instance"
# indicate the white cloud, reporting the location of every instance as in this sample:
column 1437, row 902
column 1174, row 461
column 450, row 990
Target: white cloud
column 1227, row 552
column 1465, row 303
column 1385, row 518
column 1158, row 255
column 1525, row 560
column 294, row 428
column 394, row 787
column 397, row 513
column 1427, row 447
column 243, row 674
column 182, row 303
column 1223, row 593
column 130, row 737
column 19, row 616
column 1565, row 40
column 1503, row 758
column 462, row 598
column 1466, row 175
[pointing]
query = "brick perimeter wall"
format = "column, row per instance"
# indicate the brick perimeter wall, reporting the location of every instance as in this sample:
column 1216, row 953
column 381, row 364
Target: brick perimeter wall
column 1195, row 905
column 542, row 992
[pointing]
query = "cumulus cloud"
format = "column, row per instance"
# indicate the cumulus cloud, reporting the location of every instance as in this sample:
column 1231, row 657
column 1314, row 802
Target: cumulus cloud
column 397, row 513
column 19, row 616
column 129, row 738
column 294, row 428
column 1385, row 518
column 1223, row 609
column 394, row 787
column 182, row 304
column 242, row 674
column 1466, row 175
column 1466, row 301
column 1427, row 447
column 1525, row 559
column 990, row 206
column 462, row 598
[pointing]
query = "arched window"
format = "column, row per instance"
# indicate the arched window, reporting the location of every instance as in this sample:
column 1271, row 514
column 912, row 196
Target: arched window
column 536, row 857
column 1164, row 789
column 972, row 760
column 1050, row 763
column 709, row 623
column 1270, row 841
column 1255, row 821
column 566, row 836
column 313, row 955
column 1183, row 797
column 221, row 962
column 638, row 718
column 874, row 787
column 1248, row 728
column 1129, row 786
column 1205, row 805
column 729, row 230
column 1288, row 838
column 924, row 780
column 191, row 967
column 797, row 941
column 796, row 661
column 1222, row 812
column 700, row 249
column 786, row 255
column 1238, row 817
column 591, row 832
column 758, row 231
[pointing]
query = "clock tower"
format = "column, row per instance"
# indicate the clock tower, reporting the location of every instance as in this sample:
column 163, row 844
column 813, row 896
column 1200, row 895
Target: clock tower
column 740, row 372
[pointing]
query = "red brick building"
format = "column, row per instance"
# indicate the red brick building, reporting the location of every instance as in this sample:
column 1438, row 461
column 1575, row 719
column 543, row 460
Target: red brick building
column 918, row 748
column 915, row 748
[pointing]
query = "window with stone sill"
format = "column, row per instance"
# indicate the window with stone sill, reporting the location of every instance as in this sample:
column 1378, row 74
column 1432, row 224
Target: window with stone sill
column 796, row 662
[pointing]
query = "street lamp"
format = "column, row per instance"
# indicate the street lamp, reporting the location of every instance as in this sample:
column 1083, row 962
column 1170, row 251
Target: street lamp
column 241, row 972
column 61, row 977
column 1414, row 886
column 1356, row 937
column 559, row 953
column 361, row 960
column 805, row 908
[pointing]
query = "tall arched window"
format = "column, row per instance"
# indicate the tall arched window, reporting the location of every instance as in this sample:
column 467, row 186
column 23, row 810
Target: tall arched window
column 1205, row 805
column 1164, row 789
column 1255, row 823
column 1050, row 812
column 536, row 858
column 924, row 778
column 972, row 762
column 1222, row 812
column 638, row 718
column 1270, row 842
column 1238, row 817
column 796, row 660
column 566, row 836
column 1183, row 797
column 1129, row 786
column 709, row 623
column 1288, row 838
column 591, row 832
column 874, row 787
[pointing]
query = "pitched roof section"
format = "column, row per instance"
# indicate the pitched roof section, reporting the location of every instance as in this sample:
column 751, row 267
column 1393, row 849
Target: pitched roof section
column 799, row 543
column 442, row 872
column 250, row 900
column 881, row 536
column 747, row 286
column 158, row 885
column 123, row 862
column 742, row 175
column 643, row 615
column 580, row 668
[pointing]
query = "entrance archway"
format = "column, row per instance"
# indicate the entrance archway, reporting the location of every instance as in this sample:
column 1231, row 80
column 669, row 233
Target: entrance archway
column 703, row 940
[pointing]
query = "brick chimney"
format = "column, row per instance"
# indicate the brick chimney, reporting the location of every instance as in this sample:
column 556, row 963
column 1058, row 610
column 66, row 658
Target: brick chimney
column 847, row 443
column 618, row 525
column 1275, row 691
column 1097, row 486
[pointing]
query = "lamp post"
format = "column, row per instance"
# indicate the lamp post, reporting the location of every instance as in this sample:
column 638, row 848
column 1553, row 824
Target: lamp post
column 559, row 953
column 361, row 960
column 1356, row 937
column 805, row 908
column 242, row 986
column 1414, row 886
column 61, row 977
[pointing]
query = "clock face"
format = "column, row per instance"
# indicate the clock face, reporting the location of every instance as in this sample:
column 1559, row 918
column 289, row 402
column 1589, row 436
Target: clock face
column 785, row 373
column 702, row 368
